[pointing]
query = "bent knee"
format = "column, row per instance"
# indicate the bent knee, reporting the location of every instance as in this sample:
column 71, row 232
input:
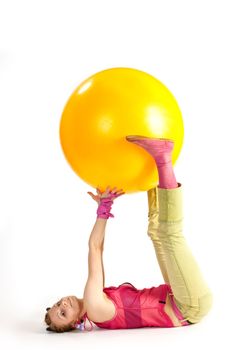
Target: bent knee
column 195, row 314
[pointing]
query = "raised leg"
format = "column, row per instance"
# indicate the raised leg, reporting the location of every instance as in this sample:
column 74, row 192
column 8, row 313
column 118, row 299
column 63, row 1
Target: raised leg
column 153, row 216
column 178, row 266
column 160, row 150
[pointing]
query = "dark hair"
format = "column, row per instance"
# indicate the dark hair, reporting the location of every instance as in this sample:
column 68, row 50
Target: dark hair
column 53, row 328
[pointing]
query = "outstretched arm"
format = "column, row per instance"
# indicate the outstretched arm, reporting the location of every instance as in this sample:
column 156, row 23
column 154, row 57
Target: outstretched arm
column 95, row 255
column 98, row 233
column 93, row 292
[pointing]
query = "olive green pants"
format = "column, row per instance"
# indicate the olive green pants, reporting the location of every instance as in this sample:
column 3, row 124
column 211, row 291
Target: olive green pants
column 178, row 266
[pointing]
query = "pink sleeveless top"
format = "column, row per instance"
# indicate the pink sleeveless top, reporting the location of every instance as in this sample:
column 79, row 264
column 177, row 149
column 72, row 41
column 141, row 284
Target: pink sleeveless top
column 138, row 308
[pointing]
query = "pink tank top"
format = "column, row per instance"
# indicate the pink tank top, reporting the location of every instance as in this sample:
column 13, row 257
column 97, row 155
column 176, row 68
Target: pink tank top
column 138, row 308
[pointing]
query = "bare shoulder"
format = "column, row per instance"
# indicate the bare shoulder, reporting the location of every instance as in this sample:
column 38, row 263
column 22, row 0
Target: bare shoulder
column 103, row 310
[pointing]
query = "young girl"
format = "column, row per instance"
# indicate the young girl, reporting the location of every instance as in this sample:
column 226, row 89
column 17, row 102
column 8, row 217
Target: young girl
column 182, row 300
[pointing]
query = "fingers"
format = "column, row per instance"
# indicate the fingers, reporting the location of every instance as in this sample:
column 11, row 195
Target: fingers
column 98, row 190
column 120, row 194
column 115, row 191
column 91, row 194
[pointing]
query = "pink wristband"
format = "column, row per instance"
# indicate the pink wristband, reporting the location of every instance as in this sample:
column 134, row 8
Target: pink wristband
column 104, row 208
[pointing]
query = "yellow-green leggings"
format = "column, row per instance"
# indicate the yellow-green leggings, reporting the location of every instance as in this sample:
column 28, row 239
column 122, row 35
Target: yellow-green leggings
column 178, row 266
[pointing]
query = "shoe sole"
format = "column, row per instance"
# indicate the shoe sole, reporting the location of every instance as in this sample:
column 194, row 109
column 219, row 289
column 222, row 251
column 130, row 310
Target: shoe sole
column 139, row 137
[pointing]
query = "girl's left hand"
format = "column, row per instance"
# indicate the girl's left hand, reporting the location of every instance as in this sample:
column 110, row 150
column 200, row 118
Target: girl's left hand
column 114, row 193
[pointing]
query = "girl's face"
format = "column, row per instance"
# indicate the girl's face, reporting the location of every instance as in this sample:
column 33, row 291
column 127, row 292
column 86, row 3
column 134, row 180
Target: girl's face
column 65, row 311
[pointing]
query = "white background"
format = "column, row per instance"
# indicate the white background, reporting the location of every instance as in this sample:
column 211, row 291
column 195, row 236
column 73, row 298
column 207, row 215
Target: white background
column 47, row 48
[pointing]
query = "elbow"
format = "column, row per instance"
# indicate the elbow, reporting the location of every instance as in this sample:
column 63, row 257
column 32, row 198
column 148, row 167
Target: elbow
column 93, row 245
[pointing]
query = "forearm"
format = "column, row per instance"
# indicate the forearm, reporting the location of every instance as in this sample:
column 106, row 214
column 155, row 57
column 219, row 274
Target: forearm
column 97, row 235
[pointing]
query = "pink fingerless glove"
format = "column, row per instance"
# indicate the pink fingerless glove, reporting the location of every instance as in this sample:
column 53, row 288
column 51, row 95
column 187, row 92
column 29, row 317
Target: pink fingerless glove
column 105, row 206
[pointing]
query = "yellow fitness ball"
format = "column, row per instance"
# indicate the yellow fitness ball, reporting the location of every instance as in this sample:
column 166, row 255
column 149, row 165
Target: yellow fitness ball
column 99, row 114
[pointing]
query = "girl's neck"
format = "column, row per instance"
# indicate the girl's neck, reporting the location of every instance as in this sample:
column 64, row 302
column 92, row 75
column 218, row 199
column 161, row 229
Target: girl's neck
column 83, row 309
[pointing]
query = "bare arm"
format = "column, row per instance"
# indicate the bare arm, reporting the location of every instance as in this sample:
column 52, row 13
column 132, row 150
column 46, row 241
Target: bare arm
column 98, row 233
column 93, row 292
column 96, row 278
column 96, row 248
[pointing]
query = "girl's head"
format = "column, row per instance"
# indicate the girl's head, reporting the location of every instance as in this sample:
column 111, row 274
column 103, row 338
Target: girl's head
column 63, row 315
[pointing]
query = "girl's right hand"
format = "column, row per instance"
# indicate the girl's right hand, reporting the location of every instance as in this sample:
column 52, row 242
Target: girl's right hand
column 114, row 193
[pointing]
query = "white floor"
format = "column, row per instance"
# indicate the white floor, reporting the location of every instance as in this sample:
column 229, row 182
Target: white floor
column 30, row 334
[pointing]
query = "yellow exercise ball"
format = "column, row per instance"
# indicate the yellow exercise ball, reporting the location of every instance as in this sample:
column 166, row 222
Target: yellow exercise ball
column 105, row 108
